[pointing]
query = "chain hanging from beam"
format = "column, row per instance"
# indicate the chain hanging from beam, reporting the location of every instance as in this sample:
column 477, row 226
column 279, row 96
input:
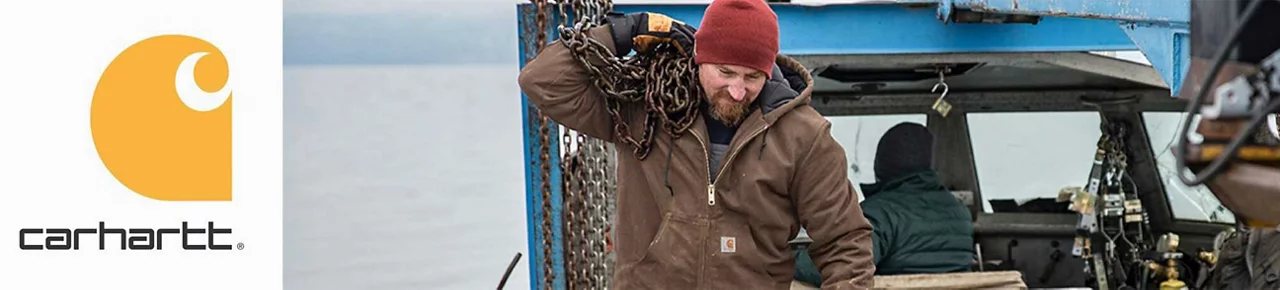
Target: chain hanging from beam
column 588, row 170
column 586, row 177
column 662, row 82
column 534, row 40
column 588, row 214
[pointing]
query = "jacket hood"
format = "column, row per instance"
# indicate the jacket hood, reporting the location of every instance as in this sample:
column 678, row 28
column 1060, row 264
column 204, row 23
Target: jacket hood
column 790, row 86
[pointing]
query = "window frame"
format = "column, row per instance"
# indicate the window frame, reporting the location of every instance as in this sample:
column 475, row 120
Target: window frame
column 954, row 158
column 963, row 174
column 1156, row 147
column 1079, row 180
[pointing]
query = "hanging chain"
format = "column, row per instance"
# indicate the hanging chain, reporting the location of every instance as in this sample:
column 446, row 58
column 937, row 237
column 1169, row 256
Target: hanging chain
column 1131, row 225
column 571, row 173
column 534, row 45
column 663, row 82
column 588, row 214
column 570, row 162
column 603, row 208
column 583, row 208
column 577, row 245
column 593, row 199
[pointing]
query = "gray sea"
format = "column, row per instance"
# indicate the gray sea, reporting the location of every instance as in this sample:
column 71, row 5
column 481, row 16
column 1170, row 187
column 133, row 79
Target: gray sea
column 411, row 177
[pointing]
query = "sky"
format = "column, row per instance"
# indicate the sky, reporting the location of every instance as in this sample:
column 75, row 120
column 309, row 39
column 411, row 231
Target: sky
column 328, row 32
column 410, row 32
column 403, row 32
column 417, row 32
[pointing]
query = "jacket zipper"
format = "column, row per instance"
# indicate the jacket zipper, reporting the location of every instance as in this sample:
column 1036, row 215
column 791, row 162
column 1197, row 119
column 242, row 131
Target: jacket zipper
column 711, row 186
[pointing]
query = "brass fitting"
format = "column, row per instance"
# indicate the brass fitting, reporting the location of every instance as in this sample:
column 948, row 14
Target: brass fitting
column 1208, row 257
column 1156, row 268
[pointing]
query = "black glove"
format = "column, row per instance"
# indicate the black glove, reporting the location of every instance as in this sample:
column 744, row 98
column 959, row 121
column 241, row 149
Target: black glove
column 645, row 30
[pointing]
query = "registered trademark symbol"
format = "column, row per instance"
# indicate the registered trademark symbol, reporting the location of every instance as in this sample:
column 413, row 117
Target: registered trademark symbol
column 239, row 246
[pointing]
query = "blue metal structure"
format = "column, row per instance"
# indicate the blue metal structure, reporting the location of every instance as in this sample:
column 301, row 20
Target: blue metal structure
column 534, row 172
column 1154, row 11
column 893, row 29
column 1159, row 28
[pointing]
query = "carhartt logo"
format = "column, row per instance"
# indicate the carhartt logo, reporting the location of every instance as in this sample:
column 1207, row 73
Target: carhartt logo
column 161, row 122
column 161, row 119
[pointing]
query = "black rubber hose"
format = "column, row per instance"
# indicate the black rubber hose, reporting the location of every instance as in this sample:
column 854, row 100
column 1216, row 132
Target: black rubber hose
column 1180, row 153
column 510, row 267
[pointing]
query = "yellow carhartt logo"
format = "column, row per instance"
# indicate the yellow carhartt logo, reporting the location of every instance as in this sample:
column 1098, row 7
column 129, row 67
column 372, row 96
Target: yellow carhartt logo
column 161, row 119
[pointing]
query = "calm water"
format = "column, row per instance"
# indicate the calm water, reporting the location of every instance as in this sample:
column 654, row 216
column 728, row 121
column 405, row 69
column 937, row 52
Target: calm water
column 411, row 177
column 403, row 178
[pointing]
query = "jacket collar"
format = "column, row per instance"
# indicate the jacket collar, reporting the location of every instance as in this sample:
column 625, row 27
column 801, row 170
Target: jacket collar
column 916, row 182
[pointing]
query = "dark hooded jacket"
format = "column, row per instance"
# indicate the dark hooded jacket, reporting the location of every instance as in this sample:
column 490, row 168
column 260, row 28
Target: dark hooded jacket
column 920, row 227
column 681, row 227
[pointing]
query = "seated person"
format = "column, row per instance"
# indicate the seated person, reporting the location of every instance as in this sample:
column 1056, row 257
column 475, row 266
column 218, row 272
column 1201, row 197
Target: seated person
column 920, row 227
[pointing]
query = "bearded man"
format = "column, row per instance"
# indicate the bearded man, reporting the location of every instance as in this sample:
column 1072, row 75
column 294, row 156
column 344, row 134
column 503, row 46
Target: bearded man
column 716, row 210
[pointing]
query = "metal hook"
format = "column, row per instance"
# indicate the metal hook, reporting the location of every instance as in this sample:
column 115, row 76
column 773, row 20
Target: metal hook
column 941, row 105
column 942, row 81
column 944, row 90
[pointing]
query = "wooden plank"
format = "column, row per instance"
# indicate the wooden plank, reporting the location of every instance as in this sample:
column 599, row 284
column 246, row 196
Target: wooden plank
column 973, row 280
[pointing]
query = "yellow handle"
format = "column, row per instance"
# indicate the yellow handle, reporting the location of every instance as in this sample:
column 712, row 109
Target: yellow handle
column 1174, row 284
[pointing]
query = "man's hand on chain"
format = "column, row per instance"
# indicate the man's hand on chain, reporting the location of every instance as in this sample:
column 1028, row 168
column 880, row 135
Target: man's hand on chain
column 646, row 30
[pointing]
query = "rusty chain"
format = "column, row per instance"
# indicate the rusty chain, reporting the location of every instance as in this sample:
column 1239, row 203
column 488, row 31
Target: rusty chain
column 601, row 201
column 584, row 195
column 589, row 181
column 571, row 176
column 576, row 217
column 569, row 163
column 576, row 166
column 545, row 156
column 539, row 42
column 663, row 81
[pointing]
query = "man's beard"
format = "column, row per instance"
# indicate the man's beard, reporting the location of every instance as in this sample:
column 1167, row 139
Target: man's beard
column 727, row 111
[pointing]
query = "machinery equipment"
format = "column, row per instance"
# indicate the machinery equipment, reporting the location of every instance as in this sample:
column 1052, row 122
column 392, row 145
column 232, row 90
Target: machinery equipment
column 1235, row 70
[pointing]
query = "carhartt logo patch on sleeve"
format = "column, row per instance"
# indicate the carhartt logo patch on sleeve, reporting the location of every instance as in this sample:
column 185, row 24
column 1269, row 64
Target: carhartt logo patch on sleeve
column 728, row 245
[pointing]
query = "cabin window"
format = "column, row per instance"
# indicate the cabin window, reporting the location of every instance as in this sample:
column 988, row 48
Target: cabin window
column 1024, row 156
column 859, row 136
column 1187, row 202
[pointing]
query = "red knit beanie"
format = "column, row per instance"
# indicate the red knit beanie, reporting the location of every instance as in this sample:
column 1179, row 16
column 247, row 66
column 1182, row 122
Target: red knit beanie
column 738, row 32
